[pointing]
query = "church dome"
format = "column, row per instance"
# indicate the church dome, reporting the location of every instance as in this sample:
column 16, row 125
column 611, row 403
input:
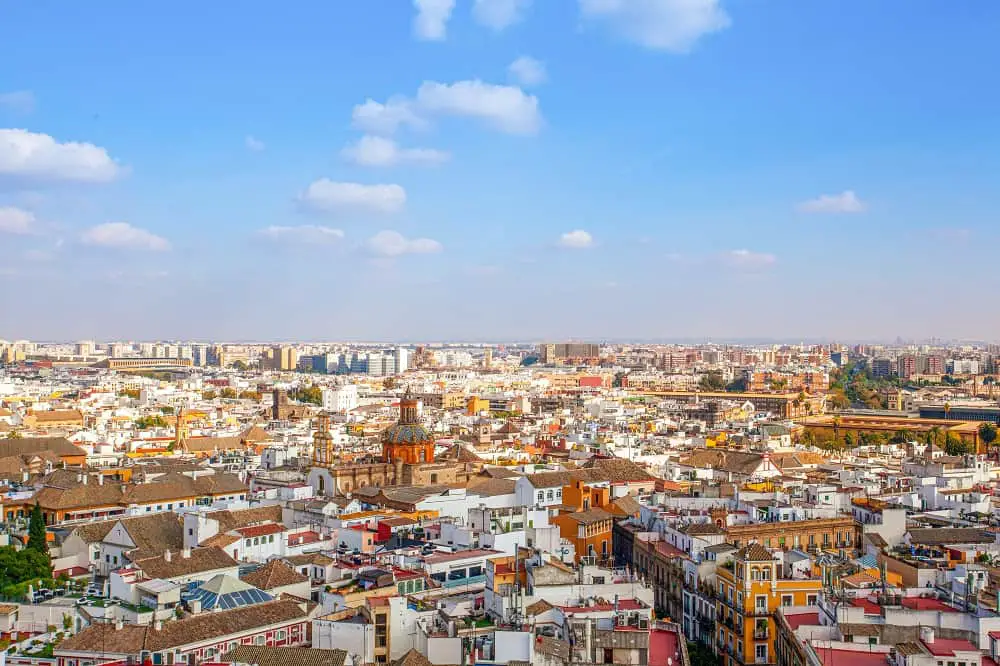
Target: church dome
column 406, row 433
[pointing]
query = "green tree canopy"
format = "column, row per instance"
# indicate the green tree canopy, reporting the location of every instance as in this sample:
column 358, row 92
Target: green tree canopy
column 954, row 446
column 988, row 434
column 712, row 381
column 36, row 531
column 311, row 394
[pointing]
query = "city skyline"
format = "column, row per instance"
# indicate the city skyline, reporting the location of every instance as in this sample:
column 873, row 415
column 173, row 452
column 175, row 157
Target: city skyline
column 706, row 170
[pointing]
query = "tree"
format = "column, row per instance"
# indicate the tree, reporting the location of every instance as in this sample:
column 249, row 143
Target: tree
column 14, row 434
column 712, row 382
column 208, row 395
column 954, row 446
column 156, row 421
column 228, row 393
column 388, row 383
column 738, row 385
column 988, row 434
column 849, row 440
column 240, row 366
column 901, row 437
column 837, row 400
column 311, row 394
column 36, row 531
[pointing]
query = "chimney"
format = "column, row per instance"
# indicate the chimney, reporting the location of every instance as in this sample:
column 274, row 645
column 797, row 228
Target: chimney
column 195, row 606
column 158, row 625
column 186, row 553
column 119, row 623
column 82, row 478
column 100, row 479
column 167, row 556
column 927, row 635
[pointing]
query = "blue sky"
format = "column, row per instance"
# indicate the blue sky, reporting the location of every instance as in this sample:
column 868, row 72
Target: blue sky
column 384, row 170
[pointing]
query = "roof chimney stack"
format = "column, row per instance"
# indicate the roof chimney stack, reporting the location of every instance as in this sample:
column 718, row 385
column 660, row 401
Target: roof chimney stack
column 167, row 556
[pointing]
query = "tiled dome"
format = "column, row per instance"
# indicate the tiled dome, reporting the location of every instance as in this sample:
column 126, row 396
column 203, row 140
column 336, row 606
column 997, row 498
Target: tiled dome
column 406, row 433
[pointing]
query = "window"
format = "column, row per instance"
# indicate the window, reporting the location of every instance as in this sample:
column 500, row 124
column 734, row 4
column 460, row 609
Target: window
column 760, row 603
column 248, row 543
column 760, row 654
column 270, row 539
column 550, row 495
column 811, row 600
column 190, row 531
column 258, row 640
column 786, row 600
column 281, row 634
column 541, row 496
column 256, row 541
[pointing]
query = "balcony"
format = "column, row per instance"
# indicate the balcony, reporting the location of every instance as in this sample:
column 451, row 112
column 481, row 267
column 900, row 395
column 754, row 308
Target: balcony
column 761, row 634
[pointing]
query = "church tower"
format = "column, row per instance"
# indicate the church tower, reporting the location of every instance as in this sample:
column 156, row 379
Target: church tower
column 408, row 441
column 322, row 442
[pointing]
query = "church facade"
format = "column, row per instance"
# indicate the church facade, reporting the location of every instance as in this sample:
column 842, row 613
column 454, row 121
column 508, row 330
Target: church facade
column 407, row 459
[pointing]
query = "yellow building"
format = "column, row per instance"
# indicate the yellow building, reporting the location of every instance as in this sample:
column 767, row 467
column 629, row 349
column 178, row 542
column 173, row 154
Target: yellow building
column 750, row 589
column 475, row 405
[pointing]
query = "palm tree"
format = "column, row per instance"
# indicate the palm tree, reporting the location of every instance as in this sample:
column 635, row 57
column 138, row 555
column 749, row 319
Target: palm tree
column 988, row 382
column 987, row 435
column 947, row 410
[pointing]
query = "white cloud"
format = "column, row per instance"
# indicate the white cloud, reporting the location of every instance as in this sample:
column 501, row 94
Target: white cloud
column 253, row 144
column 385, row 118
column 845, row 202
column 16, row 221
column 576, row 239
column 325, row 195
column 19, row 101
column 499, row 14
column 667, row 25
column 30, row 155
column 527, row 71
column 123, row 235
column 749, row 260
column 506, row 108
column 380, row 151
column 431, row 21
column 306, row 233
column 394, row 244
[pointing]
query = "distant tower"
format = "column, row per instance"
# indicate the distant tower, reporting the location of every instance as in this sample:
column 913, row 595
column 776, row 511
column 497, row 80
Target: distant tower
column 488, row 358
column 322, row 441
column 180, row 429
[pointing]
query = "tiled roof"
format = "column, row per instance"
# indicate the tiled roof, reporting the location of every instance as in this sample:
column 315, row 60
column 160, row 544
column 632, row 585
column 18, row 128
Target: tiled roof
column 949, row 535
column 231, row 519
column 152, row 534
column 200, row 560
column 616, row 470
column 755, row 553
column 273, row 574
column 590, row 516
column 261, row 530
column 24, row 445
column 413, row 658
column 282, row 656
column 131, row 639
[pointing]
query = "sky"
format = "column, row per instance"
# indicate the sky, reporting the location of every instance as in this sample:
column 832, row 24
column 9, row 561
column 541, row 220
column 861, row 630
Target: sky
column 499, row 169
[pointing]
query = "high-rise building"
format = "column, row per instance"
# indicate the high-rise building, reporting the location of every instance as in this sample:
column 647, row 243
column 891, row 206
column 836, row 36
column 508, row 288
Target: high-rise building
column 402, row 358
column 906, row 366
column 280, row 357
column 882, row 368
column 85, row 348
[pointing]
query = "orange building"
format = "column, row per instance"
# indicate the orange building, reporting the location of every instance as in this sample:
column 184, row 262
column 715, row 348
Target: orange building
column 407, row 441
column 750, row 590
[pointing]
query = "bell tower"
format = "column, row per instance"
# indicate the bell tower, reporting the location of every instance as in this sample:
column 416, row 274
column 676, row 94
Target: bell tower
column 322, row 441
